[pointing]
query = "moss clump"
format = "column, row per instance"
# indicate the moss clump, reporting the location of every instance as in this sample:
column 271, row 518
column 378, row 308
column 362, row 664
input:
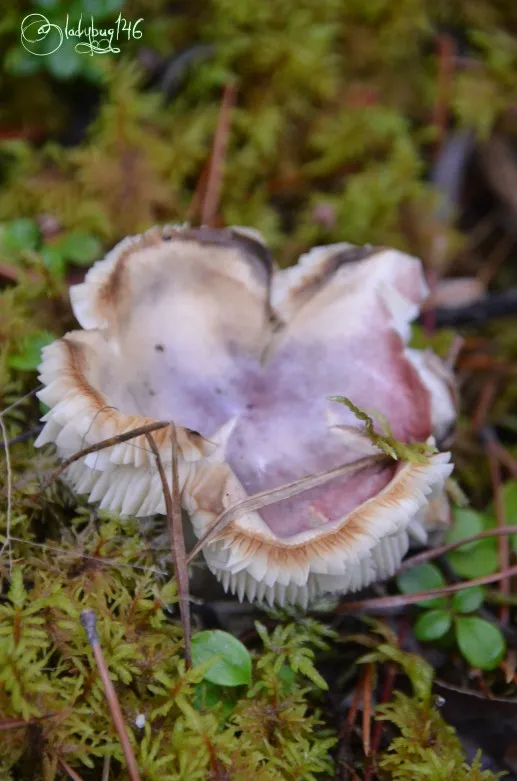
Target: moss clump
column 425, row 747
column 189, row 728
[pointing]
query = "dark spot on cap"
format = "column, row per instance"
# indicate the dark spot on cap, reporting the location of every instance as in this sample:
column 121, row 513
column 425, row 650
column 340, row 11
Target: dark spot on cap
column 151, row 392
column 159, row 348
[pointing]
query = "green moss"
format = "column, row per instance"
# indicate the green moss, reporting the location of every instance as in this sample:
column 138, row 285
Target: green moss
column 49, row 677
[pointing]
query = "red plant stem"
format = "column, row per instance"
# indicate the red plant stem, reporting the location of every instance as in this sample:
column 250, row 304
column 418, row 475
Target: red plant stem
column 503, row 541
column 71, row 772
column 89, row 622
column 215, row 172
column 367, row 708
column 505, row 457
column 352, row 712
column 446, row 54
column 435, row 553
column 18, row 723
column 485, row 400
column 175, row 528
column 379, row 725
column 401, row 600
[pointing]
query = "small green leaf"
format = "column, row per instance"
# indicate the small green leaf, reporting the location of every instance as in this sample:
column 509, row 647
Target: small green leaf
column 422, row 578
column 468, row 600
column 466, row 523
column 54, row 260
column 20, row 234
column 29, row 358
column 480, row 642
column 480, row 560
column 79, row 247
column 231, row 661
column 208, row 696
column 432, row 625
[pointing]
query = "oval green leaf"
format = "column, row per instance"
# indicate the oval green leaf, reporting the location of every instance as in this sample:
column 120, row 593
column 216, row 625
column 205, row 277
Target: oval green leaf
column 81, row 248
column 468, row 599
column 466, row 523
column 231, row 665
column 432, row 625
column 480, row 642
column 422, row 578
column 54, row 260
column 22, row 234
column 481, row 559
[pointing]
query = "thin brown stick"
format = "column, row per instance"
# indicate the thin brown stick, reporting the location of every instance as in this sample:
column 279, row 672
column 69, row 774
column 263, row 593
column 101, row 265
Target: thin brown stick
column 379, row 726
column 435, row 553
column 354, row 706
column 484, row 404
column 505, row 457
column 74, row 775
column 19, row 723
column 106, row 769
column 367, row 708
column 7, row 271
column 265, row 498
column 446, row 52
column 7, row 543
column 175, row 526
column 344, row 734
column 21, row 400
column 504, row 542
column 402, row 600
column 89, row 621
column 215, row 171
column 104, row 443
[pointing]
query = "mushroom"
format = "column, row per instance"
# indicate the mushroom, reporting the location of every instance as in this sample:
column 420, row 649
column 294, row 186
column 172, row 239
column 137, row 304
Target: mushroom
column 197, row 326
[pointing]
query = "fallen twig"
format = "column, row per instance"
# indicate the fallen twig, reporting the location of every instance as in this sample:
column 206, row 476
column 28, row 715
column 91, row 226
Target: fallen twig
column 7, row 543
column 402, row 600
column 19, row 723
column 89, row 621
column 367, row 708
column 491, row 307
column 23, row 437
column 265, row 498
column 441, row 550
column 74, row 775
column 174, row 522
column 106, row 768
column 215, row 171
column 446, row 63
column 135, row 432
column 387, row 691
